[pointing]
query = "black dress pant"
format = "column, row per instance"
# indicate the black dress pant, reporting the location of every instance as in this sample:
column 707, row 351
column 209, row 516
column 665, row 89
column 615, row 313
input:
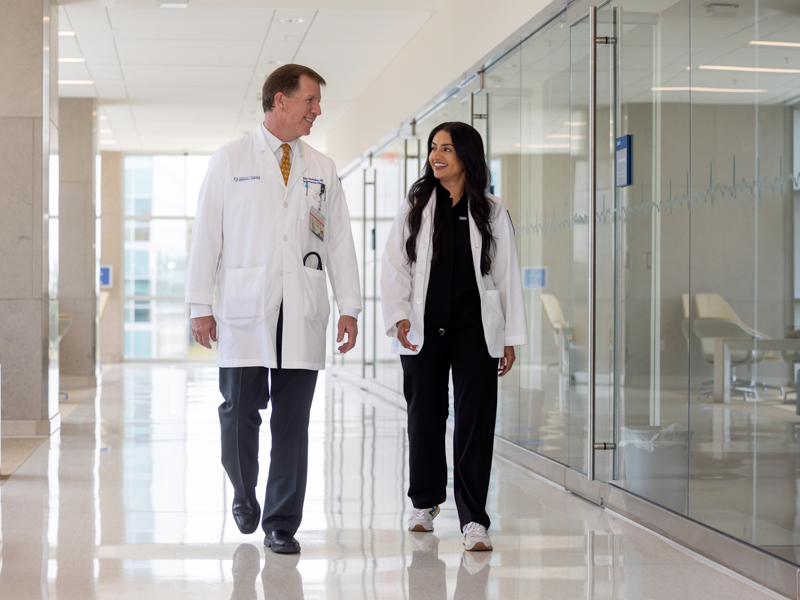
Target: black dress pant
column 425, row 385
column 248, row 390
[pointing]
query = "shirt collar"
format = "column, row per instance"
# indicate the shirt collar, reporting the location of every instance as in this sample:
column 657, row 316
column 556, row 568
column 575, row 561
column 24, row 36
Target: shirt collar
column 274, row 143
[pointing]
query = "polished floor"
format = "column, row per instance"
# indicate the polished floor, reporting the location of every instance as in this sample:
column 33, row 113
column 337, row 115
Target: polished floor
column 129, row 500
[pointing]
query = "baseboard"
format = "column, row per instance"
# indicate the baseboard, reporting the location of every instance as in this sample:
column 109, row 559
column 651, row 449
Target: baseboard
column 30, row 428
column 75, row 382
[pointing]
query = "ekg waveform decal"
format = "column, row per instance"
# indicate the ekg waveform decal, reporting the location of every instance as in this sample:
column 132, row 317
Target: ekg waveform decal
column 714, row 191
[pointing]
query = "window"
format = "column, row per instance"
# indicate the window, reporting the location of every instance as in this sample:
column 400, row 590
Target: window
column 160, row 205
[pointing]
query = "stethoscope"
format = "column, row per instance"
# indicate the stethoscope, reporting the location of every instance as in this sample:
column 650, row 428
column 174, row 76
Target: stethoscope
column 319, row 260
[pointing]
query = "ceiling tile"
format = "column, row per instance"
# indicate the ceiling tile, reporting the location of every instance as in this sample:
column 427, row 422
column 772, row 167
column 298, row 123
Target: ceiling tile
column 97, row 48
column 389, row 28
column 111, row 90
column 188, row 76
column 182, row 93
column 277, row 53
column 190, row 24
column 182, row 52
column 106, row 73
column 281, row 31
column 68, row 48
column 88, row 16
column 73, row 71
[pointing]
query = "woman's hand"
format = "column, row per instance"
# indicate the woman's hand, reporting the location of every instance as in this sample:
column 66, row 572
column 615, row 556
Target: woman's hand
column 403, row 327
column 508, row 359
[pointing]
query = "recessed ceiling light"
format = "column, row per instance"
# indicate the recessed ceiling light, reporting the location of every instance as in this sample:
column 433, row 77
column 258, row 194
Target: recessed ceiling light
column 66, row 33
column 706, row 89
column 72, row 60
column 293, row 20
column 722, row 10
column 781, row 44
column 102, row 117
column 173, row 3
column 748, row 69
column 75, row 81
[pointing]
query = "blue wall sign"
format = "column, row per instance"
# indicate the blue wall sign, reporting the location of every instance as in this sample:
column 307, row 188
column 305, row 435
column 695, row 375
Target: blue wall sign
column 624, row 160
column 105, row 276
column 534, row 278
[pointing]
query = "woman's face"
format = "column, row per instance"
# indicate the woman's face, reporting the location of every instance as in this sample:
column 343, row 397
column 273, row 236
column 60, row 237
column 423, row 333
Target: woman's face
column 444, row 160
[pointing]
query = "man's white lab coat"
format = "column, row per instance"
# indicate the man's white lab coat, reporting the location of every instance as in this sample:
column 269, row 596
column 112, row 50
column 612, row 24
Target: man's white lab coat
column 404, row 286
column 248, row 242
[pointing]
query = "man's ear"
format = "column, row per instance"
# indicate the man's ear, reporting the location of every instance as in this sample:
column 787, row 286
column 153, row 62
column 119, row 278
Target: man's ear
column 277, row 101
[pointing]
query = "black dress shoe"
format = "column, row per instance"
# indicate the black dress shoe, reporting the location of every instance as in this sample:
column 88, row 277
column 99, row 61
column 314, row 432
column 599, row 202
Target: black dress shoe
column 282, row 542
column 246, row 513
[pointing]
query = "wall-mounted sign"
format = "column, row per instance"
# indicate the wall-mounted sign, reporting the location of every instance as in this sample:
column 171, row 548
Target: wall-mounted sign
column 534, row 278
column 624, row 160
column 106, row 276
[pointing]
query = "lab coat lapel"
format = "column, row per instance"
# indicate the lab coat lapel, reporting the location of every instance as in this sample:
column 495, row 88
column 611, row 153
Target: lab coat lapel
column 298, row 166
column 270, row 163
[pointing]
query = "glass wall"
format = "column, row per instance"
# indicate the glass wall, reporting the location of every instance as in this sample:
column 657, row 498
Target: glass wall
column 698, row 290
column 160, row 205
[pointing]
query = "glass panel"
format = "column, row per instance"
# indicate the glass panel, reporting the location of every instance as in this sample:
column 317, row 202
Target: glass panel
column 544, row 247
column 744, row 96
column 652, row 227
column 163, row 185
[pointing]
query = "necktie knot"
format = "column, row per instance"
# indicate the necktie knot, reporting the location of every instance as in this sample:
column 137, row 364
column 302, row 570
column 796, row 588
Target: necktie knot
column 286, row 165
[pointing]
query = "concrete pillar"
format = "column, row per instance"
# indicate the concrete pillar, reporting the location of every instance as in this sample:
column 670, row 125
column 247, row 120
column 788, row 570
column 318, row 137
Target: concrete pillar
column 78, row 252
column 112, row 254
column 28, row 216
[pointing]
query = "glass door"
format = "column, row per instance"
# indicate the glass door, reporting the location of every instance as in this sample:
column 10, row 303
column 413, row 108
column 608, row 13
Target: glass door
column 628, row 400
column 592, row 295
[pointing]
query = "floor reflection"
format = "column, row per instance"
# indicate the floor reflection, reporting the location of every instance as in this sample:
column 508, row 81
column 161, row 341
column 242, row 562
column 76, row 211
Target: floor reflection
column 129, row 501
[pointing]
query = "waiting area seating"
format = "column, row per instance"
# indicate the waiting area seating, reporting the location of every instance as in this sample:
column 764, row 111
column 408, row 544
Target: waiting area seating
column 714, row 319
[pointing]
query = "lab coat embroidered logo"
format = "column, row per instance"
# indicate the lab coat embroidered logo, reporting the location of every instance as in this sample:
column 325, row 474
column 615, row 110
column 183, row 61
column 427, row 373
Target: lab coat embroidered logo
column 237, row 179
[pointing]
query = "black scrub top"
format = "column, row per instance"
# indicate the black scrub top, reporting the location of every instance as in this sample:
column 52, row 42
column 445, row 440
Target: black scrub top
column 452, row 299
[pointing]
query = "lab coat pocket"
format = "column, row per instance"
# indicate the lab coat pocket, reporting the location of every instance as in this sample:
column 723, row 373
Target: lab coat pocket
column 495, row 309
column 316, row 295
column 243, row 293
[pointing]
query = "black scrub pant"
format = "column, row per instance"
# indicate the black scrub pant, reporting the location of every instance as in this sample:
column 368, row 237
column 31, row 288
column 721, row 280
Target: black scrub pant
column 248, row 390
column 425, row 385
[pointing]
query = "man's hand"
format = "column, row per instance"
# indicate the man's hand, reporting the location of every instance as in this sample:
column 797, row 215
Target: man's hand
column 403, row 327
column 508, row 359
column 204, row 330
column 349, row 326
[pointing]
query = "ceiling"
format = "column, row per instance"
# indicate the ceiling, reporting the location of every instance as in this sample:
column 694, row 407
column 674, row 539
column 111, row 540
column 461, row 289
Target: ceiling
column 189, row 79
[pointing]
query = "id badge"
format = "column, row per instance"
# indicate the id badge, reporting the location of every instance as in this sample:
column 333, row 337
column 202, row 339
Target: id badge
column 316, row 222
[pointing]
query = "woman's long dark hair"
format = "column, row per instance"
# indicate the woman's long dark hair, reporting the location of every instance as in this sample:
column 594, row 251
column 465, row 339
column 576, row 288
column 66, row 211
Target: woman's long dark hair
column 469, row 150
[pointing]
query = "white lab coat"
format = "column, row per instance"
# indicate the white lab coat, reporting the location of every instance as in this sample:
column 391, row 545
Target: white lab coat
column 248, row 242
column 404, row 286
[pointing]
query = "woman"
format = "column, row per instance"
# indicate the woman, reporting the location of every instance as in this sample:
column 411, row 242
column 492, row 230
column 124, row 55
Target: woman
column 452, row 298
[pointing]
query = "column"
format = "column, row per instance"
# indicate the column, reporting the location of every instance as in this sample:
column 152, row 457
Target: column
column 112, row 254
column 28, row 221
column 78, row 273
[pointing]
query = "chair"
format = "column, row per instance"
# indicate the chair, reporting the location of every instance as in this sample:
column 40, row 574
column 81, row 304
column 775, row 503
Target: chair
column 685, row 328
column 716, row 319
column 561, row 329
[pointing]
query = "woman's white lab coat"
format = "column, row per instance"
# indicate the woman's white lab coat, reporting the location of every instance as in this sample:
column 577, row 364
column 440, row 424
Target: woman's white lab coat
column 404, row 286
column 248, row 242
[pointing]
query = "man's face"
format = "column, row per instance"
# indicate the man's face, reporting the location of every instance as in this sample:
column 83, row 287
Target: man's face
column 299, row 110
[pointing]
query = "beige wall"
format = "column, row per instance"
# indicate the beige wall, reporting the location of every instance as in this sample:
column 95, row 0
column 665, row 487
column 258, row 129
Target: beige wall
column 440, row 53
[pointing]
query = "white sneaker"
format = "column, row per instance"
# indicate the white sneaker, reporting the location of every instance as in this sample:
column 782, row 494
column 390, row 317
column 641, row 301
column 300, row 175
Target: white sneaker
column 476, row 538
column 422, row 519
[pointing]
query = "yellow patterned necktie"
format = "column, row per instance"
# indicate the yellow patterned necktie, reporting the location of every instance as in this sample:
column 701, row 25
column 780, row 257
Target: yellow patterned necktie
column 286, row 164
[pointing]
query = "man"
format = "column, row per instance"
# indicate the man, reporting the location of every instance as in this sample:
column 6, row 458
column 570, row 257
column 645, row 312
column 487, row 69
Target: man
column 271, row 222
